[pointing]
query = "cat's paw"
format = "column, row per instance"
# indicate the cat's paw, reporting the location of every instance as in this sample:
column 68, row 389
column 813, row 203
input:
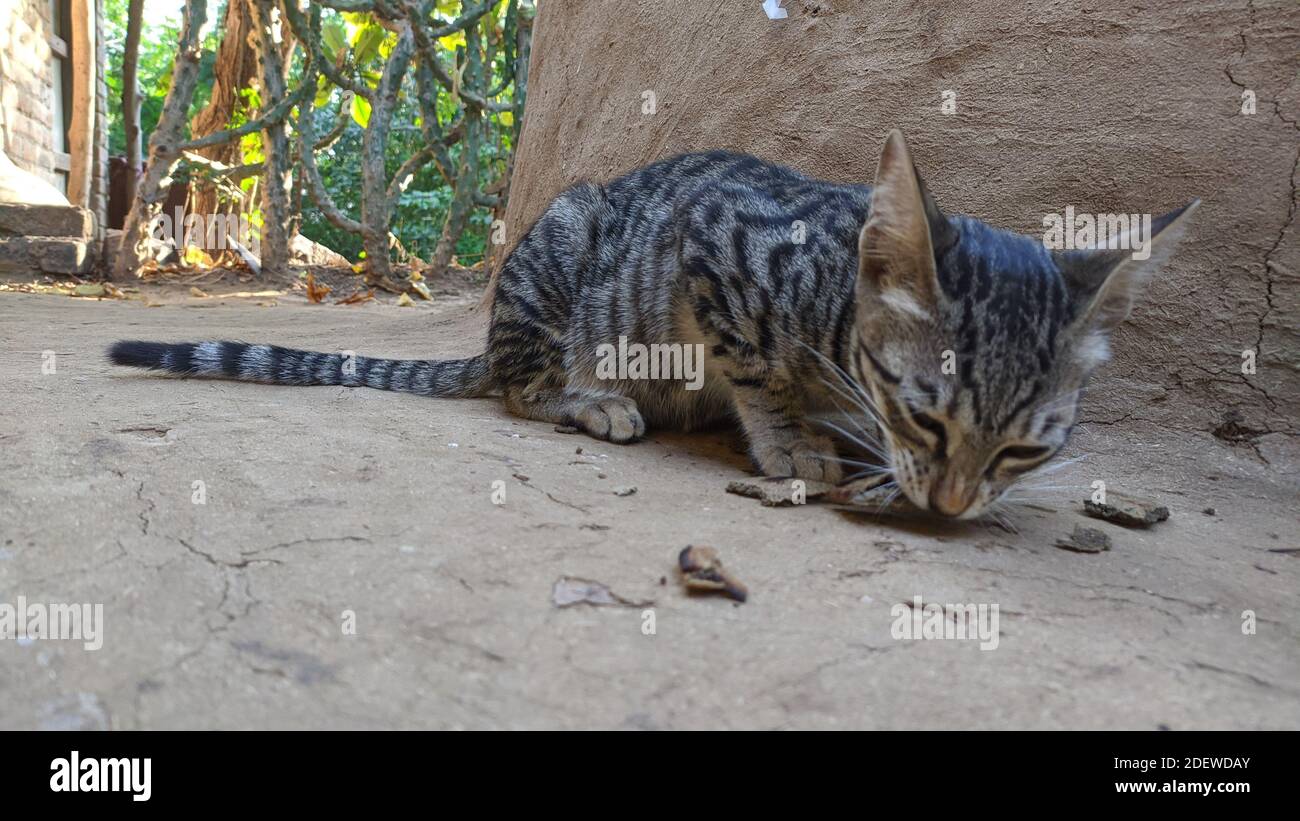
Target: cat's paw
column 613, row 418
column 811, row 458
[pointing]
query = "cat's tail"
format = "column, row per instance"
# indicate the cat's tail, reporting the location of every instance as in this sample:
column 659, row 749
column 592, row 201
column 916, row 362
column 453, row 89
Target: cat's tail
column 286, row 366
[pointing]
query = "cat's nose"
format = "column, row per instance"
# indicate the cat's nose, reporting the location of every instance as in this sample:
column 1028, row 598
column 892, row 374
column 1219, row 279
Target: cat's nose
column 951, row 495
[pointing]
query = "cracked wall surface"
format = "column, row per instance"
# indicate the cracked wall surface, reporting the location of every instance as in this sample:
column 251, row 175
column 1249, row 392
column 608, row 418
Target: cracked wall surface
column 1110, row 107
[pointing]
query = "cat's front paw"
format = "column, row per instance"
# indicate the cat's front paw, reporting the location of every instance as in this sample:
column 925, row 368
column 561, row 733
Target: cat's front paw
column 812, row 458
column 612, row 418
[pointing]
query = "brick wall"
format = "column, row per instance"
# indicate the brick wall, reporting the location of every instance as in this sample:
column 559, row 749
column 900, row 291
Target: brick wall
column 27, row 95
column 26, row 86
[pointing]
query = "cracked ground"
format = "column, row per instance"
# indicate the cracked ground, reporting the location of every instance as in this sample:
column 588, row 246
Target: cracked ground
column 317, row 501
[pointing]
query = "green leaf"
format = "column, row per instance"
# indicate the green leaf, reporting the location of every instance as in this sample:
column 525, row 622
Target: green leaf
column 324, row 90
column 361, row 110
column 451, row 41
column 386, row 47
column 367, row 43
column 334, row 36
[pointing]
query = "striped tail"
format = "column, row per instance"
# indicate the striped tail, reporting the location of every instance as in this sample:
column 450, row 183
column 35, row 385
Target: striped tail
column 285, row 366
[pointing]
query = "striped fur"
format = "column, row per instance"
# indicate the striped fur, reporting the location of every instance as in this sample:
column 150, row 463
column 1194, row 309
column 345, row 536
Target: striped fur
column 274, row 365
column 808, row 296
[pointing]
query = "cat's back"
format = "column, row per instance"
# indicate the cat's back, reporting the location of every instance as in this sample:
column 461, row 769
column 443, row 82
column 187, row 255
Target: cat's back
column 664, row 195
column 670, row 179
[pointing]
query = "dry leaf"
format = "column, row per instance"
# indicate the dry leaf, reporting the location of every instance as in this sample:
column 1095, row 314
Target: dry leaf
column 195, row 256
column 421, row 289
column 89, row 289
column 569, row 591
column 198, row 292
column 357, row 298
column 404, row 301
column 702, row 571
column 316, row 292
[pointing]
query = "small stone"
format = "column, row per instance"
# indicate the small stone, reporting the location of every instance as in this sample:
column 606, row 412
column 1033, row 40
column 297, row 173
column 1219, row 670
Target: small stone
column 1128, row 511
column 625, row 491
column 565, row 429
column 1085, row 540
column 776, row 491
column 1209, row 511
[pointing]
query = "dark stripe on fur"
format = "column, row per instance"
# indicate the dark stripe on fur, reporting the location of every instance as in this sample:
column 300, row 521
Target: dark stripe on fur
column 288, row 366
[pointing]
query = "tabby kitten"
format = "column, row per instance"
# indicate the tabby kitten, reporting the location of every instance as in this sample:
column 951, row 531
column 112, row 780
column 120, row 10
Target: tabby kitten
column 808, row 297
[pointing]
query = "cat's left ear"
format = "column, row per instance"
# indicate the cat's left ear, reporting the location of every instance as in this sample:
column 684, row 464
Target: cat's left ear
column 1107, row 280
column 896, row 248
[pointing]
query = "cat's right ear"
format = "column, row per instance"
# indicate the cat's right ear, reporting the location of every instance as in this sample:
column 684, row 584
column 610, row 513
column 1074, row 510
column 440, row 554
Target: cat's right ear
column 896, row 259
column 1107, row 279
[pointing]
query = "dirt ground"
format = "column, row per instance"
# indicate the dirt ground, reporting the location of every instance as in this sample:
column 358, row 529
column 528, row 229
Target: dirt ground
column 317, row 501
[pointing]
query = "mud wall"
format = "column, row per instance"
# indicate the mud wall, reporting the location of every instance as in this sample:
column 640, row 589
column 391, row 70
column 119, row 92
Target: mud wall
column 1109, row 107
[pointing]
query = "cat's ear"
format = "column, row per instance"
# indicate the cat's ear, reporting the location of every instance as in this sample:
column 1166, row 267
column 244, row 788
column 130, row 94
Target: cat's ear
column 896, row 248
column 1107, row 279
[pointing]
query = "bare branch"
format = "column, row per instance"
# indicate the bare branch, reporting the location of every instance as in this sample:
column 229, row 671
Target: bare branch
column 466, row 20
column 424, row 41
column 319, row 194
column 219, row 169
column 408, row 170
column 341, row 119
column 309, row 32
column 273, row 116
column 164, row 146
column 348, row 5
column 278, row 165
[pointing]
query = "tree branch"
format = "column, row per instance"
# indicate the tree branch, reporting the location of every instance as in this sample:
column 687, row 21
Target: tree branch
column 273, row 116
column 424, row 41
column 164, row 147
column 319, row 194
column 341, row 119
column 347, row 5
column 409, row 168
column 308, row 31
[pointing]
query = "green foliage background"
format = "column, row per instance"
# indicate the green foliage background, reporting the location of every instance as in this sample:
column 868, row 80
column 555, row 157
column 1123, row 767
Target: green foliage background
column 418, row 217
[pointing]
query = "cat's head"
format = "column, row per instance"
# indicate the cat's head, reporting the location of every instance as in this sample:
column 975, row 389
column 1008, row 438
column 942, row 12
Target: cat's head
column 974, row 343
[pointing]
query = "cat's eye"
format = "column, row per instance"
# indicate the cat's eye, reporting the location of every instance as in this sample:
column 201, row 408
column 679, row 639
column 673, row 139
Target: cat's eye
column 1028, row 455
